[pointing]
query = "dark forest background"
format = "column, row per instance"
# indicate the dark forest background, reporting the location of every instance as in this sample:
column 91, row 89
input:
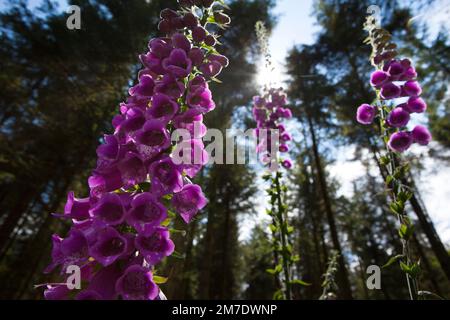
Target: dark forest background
column 59, row 90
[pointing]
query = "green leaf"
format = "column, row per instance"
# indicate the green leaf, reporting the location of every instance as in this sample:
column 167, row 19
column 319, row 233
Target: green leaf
column 159, row 280
column 393, row 260
column 300, row 282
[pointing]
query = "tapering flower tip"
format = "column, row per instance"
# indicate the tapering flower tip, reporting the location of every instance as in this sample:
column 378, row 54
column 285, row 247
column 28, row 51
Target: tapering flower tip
column 163, row 108
column 136, row 283
column 199, row 34
column 390, row 91
column 286, row 137
column 287, row 164
column 144, row 87
column 170, row 86
column 396, row 70
column 189, row 201
column 146, row 211
column 365, row 114
column 109, row 246
column 416, row 105
column 398, row 117
column 178, row 64
column 284, row 148
column 400, row 141
column 201, row 99
column 421, row 135
column 378, row 78
column 154, row 244
column 412, row 89
column 75, row 208
column 109, row 209
column 165, row 176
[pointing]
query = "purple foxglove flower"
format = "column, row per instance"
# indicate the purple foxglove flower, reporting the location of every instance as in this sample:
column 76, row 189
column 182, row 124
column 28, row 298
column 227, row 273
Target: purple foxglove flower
column 416, row 105
column 220, row 59
column 102, row 285
column 259, row 114
column 136, row 283
column 153, row 63
column 412, row 89
column 286, row 137
column 134, row 120
column 170, row 87
column 259, row 102
column 75, row 208
column 178, row 64
column 56, row 292
column 109, row 246
column 144, row 88
column 146, row 211
column 192, row 121
column 199, row 34
column 165, row 176
column 390, row 91
column 152, row 138
column 180, row 41
column 160, row 48
column 379, row 78
column 396, row 70
column 196, row 55
column 190, row 20
column 69, row 251
column 201, row 99
column 398, row 118
column 409, row 74
column 109, row 209
column 284, row 148
column 287, row 113
column 154, row 244
column 287, row 164
column 132, row 170
column 197, row 83
column 400, row 141
column 421, row 135
column 211, row 69
column 163, row 108
column 105, row 181
column 281, row 128
column 189, row 201
column 192, row 155
column 365, row 114
column 110, row 149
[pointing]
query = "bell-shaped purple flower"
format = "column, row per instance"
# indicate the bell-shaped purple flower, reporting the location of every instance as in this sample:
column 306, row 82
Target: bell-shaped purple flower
column 191, row 156
column 109, row 209
column 390, row 91
column 105, row 181
column 178, row 64
column 152, row 138
column 286, row 137
column 132, row 169
column 146, row 211
column 421, row 135
column 201, row 99
column 284, row 148
column 144, row 88
column 411, row 89
column 110, row 149
column 416, row 105
column 165, row 176
column 398, row 117
column 196, row 55
column 211, row 69
column 154, row 244
column 77, row 209
column 160, row 48
column 180, row 41
column 365, row 114
column 192, row 121
column 134, row 120
column 136, row 283
column 163, row 108
column 170, row 87
column 379, row 78
column 400, row 141
column 189, row 201
column 109, row 246
column 396, row 70
column 152, row 63
column 287, row 164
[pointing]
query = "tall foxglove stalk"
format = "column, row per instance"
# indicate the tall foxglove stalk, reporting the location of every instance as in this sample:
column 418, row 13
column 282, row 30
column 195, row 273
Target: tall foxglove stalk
column 121, row 232
column 398, row 98
column 269, row 112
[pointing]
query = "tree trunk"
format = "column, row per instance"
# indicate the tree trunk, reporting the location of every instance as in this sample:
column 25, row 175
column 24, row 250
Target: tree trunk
column 343, row 280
